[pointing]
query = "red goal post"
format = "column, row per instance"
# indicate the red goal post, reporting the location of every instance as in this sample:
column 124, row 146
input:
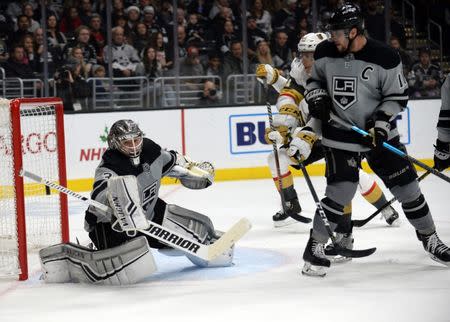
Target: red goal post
column 31, row 215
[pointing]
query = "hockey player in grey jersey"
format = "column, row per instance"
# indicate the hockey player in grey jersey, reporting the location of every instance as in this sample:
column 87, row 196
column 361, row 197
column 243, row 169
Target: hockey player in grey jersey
column 442, row 147
column 360, row 81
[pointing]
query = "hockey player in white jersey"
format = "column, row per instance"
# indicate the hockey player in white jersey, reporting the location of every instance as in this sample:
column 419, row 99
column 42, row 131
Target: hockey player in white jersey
column 442, row 147
column 359, row 81
column 290, row 125
column 128, row 180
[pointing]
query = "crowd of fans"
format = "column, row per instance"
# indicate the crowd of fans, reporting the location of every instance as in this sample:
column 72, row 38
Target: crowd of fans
column 208, row 35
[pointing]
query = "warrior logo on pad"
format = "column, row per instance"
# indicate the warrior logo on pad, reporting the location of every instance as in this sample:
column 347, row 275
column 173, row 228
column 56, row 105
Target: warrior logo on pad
column 344, row 91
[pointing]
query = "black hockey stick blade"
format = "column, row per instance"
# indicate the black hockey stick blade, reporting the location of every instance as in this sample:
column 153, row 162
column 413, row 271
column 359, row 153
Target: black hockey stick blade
column 300, row 218
column 354, row 253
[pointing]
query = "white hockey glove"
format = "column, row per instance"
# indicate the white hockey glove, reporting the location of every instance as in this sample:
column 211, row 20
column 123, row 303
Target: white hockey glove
column 276, row 137
column 301, row 144
column 265, row 71
column 123, row 197
column 284, row 120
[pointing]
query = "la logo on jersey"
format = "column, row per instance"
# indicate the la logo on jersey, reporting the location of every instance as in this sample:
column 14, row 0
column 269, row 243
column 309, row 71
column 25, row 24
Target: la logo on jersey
column 344, row 91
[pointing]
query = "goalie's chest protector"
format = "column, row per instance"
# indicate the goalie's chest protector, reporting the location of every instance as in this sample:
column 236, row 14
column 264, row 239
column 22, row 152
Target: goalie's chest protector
column 154, row 163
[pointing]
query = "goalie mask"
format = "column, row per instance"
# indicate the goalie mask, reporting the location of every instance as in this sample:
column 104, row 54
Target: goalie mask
column 126, row 137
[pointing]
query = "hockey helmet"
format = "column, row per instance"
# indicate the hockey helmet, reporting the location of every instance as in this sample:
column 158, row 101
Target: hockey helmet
column 346, row 17
column 126, row 137
column 309, row 42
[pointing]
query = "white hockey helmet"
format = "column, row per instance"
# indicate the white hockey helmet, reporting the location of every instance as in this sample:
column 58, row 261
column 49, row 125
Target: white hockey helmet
column 309, row 42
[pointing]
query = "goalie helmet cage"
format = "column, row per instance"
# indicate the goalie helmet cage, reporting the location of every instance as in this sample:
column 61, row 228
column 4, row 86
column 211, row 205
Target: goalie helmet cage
column 31, row 215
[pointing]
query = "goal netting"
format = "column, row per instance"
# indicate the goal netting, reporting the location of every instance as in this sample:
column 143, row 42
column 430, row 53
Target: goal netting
column 31, row 215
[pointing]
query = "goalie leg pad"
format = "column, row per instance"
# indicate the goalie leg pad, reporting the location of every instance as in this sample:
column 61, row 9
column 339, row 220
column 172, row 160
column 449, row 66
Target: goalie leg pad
column 199, row 227
column 126, row 264
column 123, row 196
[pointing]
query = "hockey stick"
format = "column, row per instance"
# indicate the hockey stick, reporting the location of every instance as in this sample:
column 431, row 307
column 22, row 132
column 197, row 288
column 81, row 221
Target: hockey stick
column 295, row 216
column 394, row 150
column 339, row 250
column 164, row 234
column 362, row 222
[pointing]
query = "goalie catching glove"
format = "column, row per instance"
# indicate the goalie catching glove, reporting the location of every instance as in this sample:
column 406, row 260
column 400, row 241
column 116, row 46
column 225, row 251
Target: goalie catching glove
column 301, row 144
column 193, row 175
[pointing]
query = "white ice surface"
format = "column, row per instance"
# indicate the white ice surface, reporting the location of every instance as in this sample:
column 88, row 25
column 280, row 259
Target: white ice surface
column 398, row 283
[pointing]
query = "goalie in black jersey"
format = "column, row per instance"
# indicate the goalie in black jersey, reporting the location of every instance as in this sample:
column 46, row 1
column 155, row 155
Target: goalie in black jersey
column 359, row 81
column 128, row 179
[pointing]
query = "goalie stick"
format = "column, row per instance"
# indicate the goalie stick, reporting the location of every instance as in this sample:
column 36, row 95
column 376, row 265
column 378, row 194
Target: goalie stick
column 339, row 250
column 295, row 216
column 164, row 234
column 362, row 222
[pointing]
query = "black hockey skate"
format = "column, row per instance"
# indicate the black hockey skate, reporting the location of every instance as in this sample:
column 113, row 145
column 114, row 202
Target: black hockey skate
column 391, row 216
column 437, row 250
column 315, row 260
column 344, row 240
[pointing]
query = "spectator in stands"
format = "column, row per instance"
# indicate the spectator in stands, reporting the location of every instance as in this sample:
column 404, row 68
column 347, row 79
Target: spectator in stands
column 195, row 31
column 71, row 86
column 77, row 53
column 326, row 11
column 70, row 22
column 52, row 53
column 301, row 29
column 264, row 56
column 151, row 65
column 28, row 11
column 394, row 42
column 200, row 7
column 306, row 11
column 31, row 56
column 427, row 76
column 217, row 23
column 98, row 36
column 125, row 60
column 17, row 65
column 286, row 17
column 374, row 21
column 162, row 52
column 217, row 7
column 214, row 67
column 83, row 35
column 4, row 55
column 56, row 39
column 118, row 10
column 140, row 38
column 86, row 11
column 233, row 63
column 23, row 26
column 152, row 23
column 254, row 35
column 134, row 15
column 182, row 44
column 210, row 95
column 227, row 36
column 166, row 12
column 190, row 65
column 262, row 16
column 280, row 48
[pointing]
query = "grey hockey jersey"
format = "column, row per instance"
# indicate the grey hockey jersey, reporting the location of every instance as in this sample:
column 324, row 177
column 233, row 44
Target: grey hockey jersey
column 359, row 84
column 154, row 164
column 443, row 125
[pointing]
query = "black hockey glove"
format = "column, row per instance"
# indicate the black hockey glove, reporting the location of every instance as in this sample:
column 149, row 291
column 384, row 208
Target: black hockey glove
column 441, row 155
column 381, row 130
column 319, row 104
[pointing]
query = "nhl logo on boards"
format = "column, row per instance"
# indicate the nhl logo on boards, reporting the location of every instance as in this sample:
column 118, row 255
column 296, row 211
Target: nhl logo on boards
column 344, row 91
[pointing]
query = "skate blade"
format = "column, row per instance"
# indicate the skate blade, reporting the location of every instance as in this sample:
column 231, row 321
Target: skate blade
column 439, row 261
column 283, row 223
column 313, row 271
column 338, row 259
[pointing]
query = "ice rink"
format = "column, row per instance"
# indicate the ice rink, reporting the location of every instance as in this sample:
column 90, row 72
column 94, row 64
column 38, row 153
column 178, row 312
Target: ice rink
column 397, row 283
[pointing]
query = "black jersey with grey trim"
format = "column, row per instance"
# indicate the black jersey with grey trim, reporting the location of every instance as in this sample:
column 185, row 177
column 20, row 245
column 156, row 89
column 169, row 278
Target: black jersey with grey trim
column 443, row 125
column 154, row 164
column 360, row 84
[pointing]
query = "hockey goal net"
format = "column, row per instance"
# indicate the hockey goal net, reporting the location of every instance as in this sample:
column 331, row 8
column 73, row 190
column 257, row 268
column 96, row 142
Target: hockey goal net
column 31, row 215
